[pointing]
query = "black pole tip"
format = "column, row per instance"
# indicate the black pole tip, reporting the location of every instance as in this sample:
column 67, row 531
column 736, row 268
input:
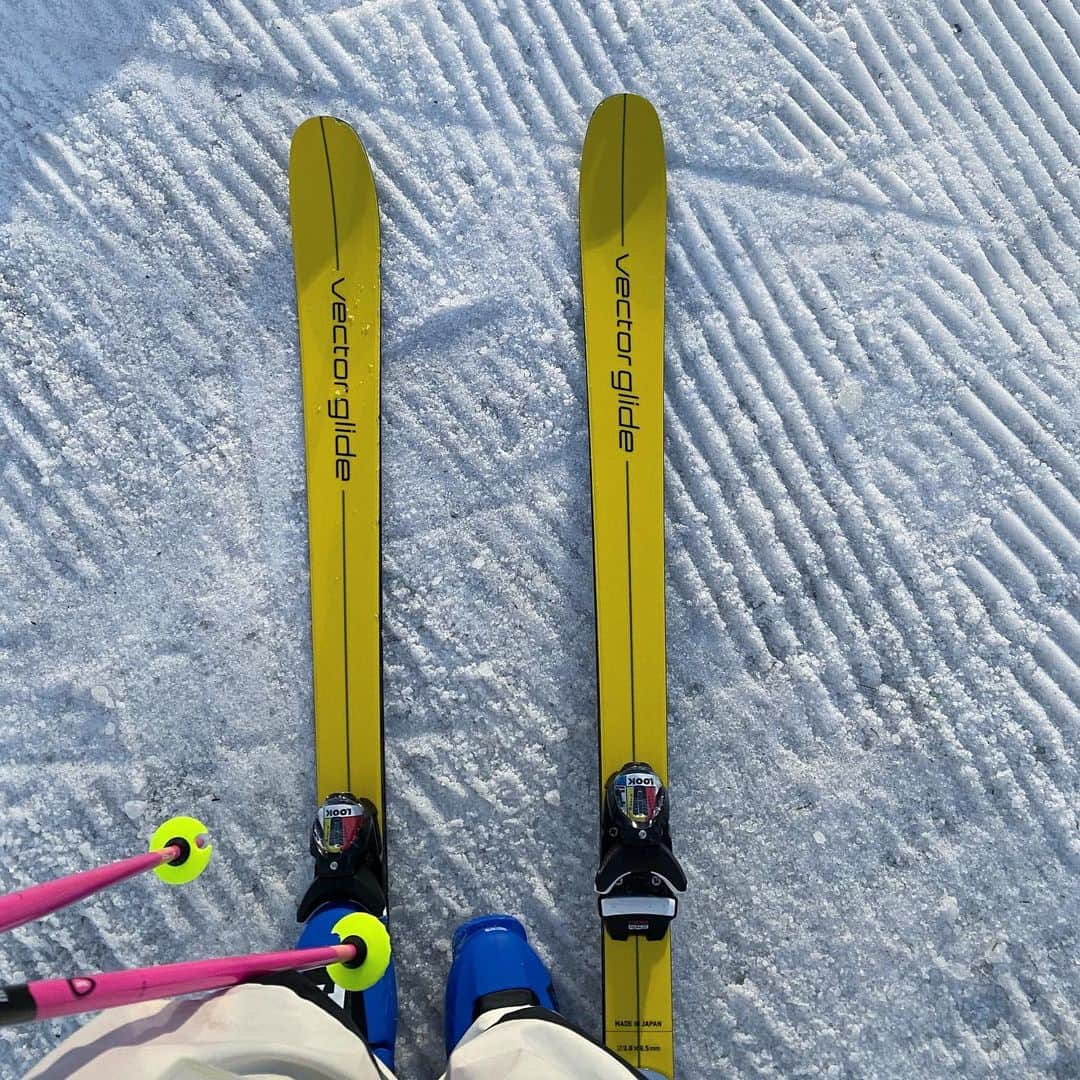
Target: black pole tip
column 185, row 850
column 360, row 945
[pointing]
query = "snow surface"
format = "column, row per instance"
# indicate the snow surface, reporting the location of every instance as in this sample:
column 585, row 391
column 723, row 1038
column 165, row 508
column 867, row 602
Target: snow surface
column 873, row 499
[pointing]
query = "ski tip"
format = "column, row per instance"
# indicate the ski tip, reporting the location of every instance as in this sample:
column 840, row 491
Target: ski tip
column 370, row 966
column 318, row 123
column 619, row 122
column 192, row 837
column 327, row 144
column 315, row 137
column 321, row 130
column 634, row 105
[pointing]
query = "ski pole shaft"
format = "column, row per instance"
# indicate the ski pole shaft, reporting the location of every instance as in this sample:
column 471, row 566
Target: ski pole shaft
column 49, row 998
column 40, row 900
column 179, row 852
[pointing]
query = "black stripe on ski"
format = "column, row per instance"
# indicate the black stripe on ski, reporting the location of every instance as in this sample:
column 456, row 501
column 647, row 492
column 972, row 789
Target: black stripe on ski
column 345, row 640
column 637, row 992
column 630, row 612
column 330, row 179
column 630, row 575
column 622, row 175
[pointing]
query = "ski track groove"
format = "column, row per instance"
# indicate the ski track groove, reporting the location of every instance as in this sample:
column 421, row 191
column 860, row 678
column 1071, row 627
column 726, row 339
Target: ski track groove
column 454, row 68
column 28, row 407
column 635, row 31
column 1063, row 95
column 1001, row 284
column 250, row 181
column 1035, row 169
column 745, row 634
column 468, row 37
column 518, row 24
column 754, row 587
column 417, row 44
column 908, row 106
column 24, row 418
column 81, row 298
column 303, row 58
column 971, row 304
column 263, row 44
column 56, row 521
column 1049, row 342
column 192, row 136
column 993, row 447
column 1062, row 1030
column 907, row 628
column 201, row 231
column 585, row 50
column 997, row 416
column 71, row 506
column 786, row 392
column 76, row 290
column 1012, row 202
column 400, row 202
column 1049, row 116
column 988, row 586
column 803, row 60
column 334, row 55
column 216, row 35
column 1068, row 19
column 884, row 30
column 548, row 272
column 1066, row 634
column 772, row 589
column 819, row 582
column 20, row 538
column 797, row 539
column 785, row 496
column 1061, row 546
column 608, row 30
column 817, row 104
column 785, row 146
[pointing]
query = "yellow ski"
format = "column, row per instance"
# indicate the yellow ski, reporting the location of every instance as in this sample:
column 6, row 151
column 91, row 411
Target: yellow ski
column 623, row 222
column 335, row 226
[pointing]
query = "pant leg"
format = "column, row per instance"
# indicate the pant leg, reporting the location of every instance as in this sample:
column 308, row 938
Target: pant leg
column 269, row 1030
column 531, row 1044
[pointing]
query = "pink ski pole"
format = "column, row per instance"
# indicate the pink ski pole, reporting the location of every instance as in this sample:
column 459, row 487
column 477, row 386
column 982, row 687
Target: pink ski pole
column 358, row 961
column 179, row 852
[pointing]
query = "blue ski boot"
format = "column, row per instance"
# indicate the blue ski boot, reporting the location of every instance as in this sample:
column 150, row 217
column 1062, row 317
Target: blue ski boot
column 494, row 966
column 350, row 875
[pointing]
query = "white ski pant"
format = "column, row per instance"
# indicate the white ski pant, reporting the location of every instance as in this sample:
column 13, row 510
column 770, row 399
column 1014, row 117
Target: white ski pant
column 269, row 1032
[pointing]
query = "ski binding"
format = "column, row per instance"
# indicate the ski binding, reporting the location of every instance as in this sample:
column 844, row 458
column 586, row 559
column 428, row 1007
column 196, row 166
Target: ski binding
column 639, row 877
